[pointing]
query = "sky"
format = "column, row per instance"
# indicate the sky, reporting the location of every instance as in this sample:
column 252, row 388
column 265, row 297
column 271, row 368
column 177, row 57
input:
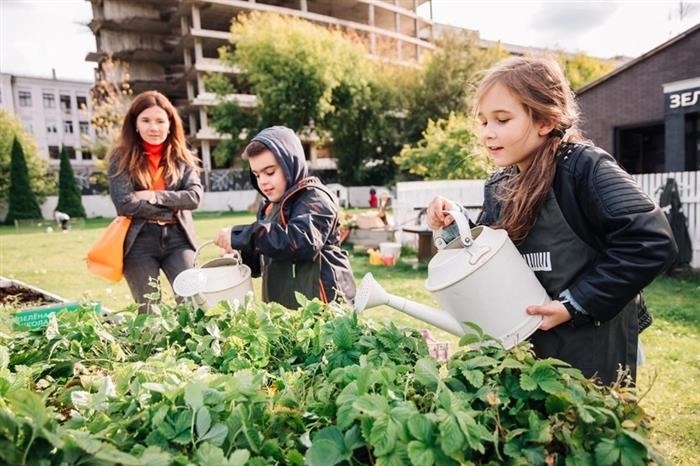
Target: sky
column 602, row 29
column 37, row 36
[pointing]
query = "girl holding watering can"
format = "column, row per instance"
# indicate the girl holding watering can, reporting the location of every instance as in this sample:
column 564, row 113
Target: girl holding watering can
column 593, row 238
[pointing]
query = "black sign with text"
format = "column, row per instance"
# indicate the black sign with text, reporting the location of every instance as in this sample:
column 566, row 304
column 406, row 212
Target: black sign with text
column 684, row 101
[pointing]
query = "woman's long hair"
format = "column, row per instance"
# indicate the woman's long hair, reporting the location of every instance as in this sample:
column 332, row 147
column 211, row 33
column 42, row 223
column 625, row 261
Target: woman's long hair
column 129, row 149
column 544, row 92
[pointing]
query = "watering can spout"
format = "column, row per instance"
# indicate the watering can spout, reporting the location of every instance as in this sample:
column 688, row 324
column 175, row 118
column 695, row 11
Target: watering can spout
column 371, row 294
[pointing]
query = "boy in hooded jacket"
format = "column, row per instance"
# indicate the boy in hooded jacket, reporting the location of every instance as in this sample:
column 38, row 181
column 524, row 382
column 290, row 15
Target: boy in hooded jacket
column 295, row 243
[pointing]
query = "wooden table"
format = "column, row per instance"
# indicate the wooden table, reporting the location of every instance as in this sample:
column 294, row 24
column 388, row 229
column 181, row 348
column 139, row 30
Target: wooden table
column 426, row 248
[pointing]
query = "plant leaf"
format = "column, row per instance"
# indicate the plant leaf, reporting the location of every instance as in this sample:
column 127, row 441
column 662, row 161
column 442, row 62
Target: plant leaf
column 324, row 452
column 539, row 431
column 451, row 436
column 384, row 435
column 427, row 373
column 154, row 456
column 606, row 452
column 194, row 397
column 420, row 454
column 238, row 458
column 373, row 405
column 474, row 377
column 527, row 383
column 421, row 428
column 632, row 453
column 216, row 435
column 202, row 421
column 469, row 339
column 52, row 332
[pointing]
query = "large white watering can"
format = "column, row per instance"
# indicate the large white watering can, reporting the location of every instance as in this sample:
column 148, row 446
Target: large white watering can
column 225, row 278
column 479, row 277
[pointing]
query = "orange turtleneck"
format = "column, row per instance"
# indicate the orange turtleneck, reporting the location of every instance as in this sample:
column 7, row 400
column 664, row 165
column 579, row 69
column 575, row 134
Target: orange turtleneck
column 154, row 152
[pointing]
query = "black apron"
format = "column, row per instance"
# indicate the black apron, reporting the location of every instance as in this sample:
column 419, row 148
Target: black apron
column 557, row 256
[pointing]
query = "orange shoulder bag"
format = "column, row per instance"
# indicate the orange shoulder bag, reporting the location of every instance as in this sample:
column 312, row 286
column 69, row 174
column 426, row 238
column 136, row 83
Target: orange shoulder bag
column 106, row 257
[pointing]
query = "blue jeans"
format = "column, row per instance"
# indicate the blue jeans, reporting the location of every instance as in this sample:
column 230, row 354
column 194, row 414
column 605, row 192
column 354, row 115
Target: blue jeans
column 156, row 247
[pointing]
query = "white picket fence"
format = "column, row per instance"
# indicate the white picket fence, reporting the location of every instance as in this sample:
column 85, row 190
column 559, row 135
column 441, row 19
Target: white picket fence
column 689, row 190
column 414, row 195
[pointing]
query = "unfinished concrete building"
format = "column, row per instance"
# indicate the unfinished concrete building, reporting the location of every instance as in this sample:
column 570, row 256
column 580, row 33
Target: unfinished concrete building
column 170, row 45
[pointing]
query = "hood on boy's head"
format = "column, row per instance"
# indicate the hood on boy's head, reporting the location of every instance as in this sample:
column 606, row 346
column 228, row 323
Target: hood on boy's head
column 286, row 147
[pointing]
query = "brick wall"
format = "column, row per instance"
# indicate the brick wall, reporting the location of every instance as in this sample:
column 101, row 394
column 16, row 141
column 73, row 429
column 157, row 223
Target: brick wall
column 634, row 96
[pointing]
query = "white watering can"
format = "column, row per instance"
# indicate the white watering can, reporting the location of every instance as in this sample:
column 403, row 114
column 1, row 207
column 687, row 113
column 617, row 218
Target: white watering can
column 225, row 278
column 479, row 277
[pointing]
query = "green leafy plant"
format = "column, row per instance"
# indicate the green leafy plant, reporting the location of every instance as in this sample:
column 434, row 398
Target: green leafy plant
column 261, row 384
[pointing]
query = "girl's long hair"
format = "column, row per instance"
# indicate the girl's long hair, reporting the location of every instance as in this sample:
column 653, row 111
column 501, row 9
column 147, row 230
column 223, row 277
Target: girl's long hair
column 544, row 92
column 129, row 150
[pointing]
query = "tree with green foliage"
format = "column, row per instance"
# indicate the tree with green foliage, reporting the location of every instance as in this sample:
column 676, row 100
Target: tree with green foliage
column 582, row 69
column 366, row 127
column 229, row 118
column 40, row 181
column 293, row 66
column 316, row 81
column 447, row 81
column 70, row 200
column 111, row 97
column 449, row 150
column 22, row 201
column 320, row 82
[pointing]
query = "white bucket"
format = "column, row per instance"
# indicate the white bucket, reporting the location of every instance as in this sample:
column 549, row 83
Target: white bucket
column 482, row 278
column 225, row 278
column 390, row 249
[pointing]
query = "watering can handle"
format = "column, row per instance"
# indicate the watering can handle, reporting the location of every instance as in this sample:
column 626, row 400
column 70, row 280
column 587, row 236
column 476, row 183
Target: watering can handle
column 236, row 255
column 465, row 232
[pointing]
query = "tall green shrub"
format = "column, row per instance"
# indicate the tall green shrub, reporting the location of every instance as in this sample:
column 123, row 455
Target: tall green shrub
column 69, row 197
column 23, row 204
column 41, row 182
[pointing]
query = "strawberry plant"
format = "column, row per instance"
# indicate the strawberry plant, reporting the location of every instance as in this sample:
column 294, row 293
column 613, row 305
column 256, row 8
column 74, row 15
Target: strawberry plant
column 262, row 384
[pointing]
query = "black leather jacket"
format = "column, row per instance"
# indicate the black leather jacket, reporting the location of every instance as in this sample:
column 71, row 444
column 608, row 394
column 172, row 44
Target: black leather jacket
column 606, row 208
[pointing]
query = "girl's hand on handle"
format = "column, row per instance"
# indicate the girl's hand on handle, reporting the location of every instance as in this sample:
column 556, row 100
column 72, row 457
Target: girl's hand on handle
column 435, row 214
column 223, row 239
column 553, row 314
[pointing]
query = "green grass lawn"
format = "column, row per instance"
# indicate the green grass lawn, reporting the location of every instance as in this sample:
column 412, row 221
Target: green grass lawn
column 670, row 377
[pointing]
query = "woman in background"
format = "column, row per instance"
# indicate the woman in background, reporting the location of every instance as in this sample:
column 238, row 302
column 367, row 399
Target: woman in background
column 154, row 179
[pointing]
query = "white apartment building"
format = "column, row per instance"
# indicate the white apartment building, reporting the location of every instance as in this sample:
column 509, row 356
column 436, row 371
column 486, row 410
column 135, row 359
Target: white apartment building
column 56, row 112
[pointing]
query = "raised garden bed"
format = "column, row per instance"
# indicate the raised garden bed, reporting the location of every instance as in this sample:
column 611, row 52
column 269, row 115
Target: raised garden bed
column 32, row 306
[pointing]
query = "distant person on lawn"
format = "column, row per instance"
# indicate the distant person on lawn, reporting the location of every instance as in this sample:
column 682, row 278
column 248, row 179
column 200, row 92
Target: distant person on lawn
column 295, row 241
column 154, row 179
column 62, row 219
